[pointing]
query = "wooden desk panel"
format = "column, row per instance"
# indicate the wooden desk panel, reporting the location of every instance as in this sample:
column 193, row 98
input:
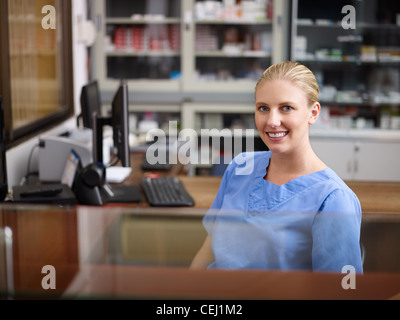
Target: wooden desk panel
column 180, row 283
column 50, row 237
column 42, row 235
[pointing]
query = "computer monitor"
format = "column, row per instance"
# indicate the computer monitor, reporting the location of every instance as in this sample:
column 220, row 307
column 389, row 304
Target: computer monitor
column 3, row 167
column 120, row 124
column 119, row 121
column 90, row 103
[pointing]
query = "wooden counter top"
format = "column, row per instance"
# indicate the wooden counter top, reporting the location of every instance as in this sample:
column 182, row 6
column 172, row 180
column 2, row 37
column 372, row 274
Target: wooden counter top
column 377, row 197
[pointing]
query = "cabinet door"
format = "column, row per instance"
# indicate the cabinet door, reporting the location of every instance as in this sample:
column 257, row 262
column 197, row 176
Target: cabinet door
column 377, row 161
column 352, row 48
column 139, row 41
column 229, row 45
column 338, row 154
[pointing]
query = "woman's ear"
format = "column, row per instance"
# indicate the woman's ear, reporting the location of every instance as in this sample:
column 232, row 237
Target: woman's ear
column 314, row 113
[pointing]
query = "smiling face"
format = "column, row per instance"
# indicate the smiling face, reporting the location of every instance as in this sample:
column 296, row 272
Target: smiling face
column 283, row 116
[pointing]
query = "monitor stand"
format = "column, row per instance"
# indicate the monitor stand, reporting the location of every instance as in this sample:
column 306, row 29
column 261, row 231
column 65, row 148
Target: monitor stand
column 120, row 193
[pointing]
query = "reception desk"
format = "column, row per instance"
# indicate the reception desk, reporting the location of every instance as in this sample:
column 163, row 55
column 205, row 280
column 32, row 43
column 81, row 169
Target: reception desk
column 144, row 253
column 135, row 251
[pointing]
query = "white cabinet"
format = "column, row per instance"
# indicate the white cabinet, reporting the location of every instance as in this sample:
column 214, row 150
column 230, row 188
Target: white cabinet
column 360, row 159
column 377, row 161
column 338, row 154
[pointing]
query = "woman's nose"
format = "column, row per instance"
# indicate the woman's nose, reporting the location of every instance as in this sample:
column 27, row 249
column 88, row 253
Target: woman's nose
column 274, row 119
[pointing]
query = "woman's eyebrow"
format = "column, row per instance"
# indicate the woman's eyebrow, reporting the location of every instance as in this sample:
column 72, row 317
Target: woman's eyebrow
column 287, row 103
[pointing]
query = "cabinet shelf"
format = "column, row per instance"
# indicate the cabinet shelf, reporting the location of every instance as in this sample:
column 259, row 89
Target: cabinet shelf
column 131, row 53
column 225, row 54
column 365, row 103
column 364, row 134
column 150, row 20
column 355, row 62
column 234, row 22
column 338, row 24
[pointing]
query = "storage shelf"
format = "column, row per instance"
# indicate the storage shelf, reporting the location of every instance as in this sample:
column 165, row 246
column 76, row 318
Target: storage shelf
column 126, row 21
column 225, row 54
column 234, row 21
column 338, row 24
column 131, row 53
column 366, row 103
column 355, row 62
column 368, row 134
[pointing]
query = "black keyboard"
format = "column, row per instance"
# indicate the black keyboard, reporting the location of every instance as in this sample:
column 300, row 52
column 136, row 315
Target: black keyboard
column 166, row 191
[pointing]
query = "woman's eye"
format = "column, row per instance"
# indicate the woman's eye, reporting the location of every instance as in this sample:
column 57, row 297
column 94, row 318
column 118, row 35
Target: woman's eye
column 287, row 108
column 262, row 108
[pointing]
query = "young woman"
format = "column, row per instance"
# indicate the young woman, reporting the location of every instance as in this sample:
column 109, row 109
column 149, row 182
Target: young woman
column 290, row 212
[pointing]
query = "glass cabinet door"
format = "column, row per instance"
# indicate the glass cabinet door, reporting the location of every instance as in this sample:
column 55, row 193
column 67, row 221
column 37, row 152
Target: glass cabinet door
column 183, row 45
column 353, row 47
column 231, row 44
column 141, row 43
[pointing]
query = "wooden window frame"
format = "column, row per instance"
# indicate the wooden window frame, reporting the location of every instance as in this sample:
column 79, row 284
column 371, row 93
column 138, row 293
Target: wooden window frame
column 19, row 135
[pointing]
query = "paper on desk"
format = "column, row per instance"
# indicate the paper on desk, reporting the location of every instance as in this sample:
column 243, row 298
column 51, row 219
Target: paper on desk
column 117, row 174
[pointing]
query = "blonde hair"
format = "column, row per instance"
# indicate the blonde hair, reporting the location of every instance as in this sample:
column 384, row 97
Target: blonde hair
column 295, row 72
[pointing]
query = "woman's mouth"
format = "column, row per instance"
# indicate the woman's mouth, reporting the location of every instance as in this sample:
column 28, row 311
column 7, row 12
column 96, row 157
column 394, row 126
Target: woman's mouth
column 277, row 135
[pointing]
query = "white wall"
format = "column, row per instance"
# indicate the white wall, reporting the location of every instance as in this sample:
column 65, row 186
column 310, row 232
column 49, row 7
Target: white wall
column 17, row 157
column 79, row 14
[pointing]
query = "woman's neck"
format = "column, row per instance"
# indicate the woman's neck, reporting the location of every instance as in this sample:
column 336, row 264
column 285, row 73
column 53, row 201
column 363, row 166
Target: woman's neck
column 285, row 167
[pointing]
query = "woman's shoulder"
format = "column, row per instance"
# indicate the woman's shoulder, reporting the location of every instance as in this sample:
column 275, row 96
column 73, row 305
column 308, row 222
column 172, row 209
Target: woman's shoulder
column 338, row 187
column 247, row 163
column 254, row 155
column 335, row 179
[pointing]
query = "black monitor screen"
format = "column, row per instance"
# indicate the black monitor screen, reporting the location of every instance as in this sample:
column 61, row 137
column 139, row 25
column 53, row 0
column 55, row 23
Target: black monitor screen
column 3, row 167
column 90, row 103
column 120, row 124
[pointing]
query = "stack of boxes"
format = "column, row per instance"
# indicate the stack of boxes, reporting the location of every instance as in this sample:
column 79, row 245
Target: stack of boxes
column 155, row 37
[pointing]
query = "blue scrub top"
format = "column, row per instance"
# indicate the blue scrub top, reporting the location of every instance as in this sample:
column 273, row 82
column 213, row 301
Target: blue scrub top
column 310, row 223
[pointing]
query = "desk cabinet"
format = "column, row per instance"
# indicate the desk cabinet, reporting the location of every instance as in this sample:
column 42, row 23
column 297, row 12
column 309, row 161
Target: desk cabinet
column 354, row 159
